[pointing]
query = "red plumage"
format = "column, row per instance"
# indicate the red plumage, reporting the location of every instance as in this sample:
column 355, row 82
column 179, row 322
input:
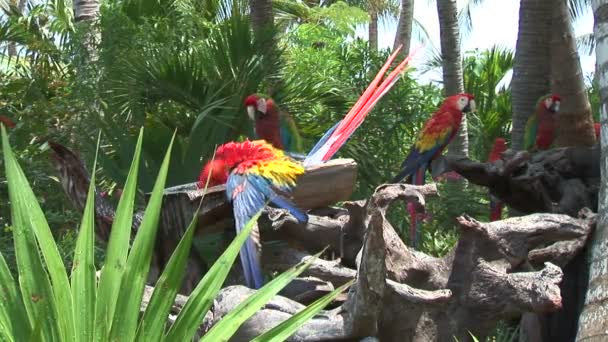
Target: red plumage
column 234, row 154
column 499, row 147
column 597, row 128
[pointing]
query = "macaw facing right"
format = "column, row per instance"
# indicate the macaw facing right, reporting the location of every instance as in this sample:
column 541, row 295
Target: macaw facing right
column 541, row 126
column 435, row 135
column 273, row 125
column 496, row 205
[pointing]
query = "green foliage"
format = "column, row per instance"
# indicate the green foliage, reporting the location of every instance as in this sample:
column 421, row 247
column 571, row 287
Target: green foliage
column 45, row 305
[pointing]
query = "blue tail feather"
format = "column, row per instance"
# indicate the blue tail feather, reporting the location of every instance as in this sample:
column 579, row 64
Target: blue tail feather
column 251, row 265
column 323, row 140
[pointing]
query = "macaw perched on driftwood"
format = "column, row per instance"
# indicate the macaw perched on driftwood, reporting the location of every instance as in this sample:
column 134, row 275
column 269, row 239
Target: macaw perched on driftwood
column 255, row 171
column 496, row 205
column 541, row 126
column 273, row 125
column 436, row 134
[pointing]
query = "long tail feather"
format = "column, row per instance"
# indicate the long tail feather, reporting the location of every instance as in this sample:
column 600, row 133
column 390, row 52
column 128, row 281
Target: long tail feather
column 358, row 112
column 415, row 220
column 250, row 261
column 496, row 206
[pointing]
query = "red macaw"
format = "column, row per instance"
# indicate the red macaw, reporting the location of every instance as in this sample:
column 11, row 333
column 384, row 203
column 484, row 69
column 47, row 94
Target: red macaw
column 540, row 127
column 597, row 128
column 496, row 205
column 253, row 170
column 436, row 134
column 6, row 121
column 273, row 125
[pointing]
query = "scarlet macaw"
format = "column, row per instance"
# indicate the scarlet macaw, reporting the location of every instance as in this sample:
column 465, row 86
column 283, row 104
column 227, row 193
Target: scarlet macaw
column 273, row 125
column 597, row 128
column 496, row 205
column 436, row 134
column 540, row 127
column 253, row 170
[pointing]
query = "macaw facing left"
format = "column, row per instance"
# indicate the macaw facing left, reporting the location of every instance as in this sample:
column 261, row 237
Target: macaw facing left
column 254, row 170
column 273, row 125
column 496, row 205
column 541, row 126
column 435, row 135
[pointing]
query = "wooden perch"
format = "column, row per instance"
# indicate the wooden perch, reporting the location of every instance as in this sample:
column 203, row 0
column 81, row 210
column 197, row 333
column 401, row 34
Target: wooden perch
column 496, row 270
column 562, row 180
column 411, row 296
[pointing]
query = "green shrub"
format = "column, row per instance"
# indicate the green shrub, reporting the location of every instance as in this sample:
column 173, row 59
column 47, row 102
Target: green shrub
column 47, row 305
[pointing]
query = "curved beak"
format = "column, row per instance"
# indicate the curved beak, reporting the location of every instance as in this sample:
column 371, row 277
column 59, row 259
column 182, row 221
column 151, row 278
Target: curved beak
column 554, row 107
column 252, row 113
column 470, row 107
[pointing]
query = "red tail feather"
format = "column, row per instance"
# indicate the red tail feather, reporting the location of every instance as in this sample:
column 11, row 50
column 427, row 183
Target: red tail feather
column 366, row 102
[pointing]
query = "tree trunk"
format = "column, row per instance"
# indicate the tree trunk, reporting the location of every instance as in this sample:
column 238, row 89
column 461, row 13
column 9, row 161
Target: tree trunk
column 593, row 321
column 452, row 66
column 86, row 10
column 373, row 31
column 262, row 23
column 404, row 26
column 531, row 68
column 575, row 123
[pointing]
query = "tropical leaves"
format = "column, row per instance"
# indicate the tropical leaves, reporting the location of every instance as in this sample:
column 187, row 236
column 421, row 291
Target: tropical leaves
column 47, row 306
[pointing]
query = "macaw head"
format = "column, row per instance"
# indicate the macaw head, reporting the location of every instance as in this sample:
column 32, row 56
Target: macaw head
column 256, row 106
column 463, row 102
column 551, row 102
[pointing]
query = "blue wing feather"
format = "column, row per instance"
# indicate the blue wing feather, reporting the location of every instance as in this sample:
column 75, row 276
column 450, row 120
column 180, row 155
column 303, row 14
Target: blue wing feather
column 247, row 201
column 249, row 194
column 414, row 161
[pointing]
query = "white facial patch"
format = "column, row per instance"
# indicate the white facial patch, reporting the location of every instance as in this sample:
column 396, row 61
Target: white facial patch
column 261, row 105
column 251, row 112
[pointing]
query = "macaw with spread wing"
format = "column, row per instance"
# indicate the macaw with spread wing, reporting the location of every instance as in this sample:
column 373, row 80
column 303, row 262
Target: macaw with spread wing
column 436, row 134
column 541, row 126
column 273, row 125
column 254, row 170
column 496, row 205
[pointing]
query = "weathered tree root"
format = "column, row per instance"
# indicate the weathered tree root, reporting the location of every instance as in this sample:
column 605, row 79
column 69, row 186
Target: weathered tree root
column 562, row 180
column 404, row 295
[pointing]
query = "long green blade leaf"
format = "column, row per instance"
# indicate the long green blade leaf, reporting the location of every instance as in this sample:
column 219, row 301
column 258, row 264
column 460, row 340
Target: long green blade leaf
column 33, row 280
column 138, row 264
column 154, row 321
column 13, row 318
column 118, row 247
column 200, row 300
column 282, row 331
column 228, row 325
column 83, row 269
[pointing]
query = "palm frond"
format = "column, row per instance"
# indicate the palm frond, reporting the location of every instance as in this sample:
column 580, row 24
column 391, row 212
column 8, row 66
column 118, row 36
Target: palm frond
column 586, row 43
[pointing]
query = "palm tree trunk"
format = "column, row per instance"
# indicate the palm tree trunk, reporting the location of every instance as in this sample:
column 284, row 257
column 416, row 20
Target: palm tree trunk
column 593, row 321
column 373, row 31
column 575, row 123
column 452, row 66
column 404, row 26
column 262, row 20
column 12, row 47
column 531, row 68
column 262, row 23
column 86, row 10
